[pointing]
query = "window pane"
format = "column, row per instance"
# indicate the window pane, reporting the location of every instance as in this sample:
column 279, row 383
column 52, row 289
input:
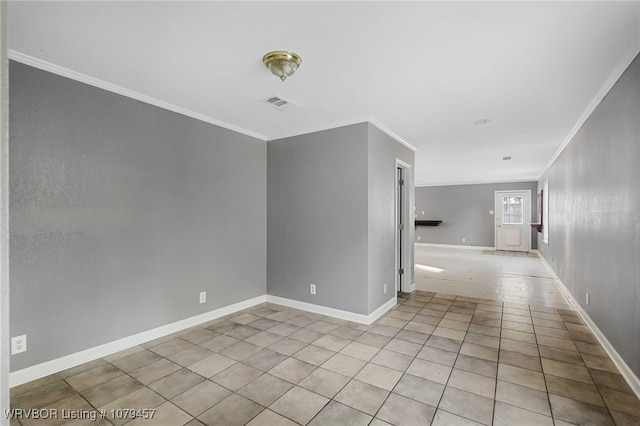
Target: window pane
column 512, row 212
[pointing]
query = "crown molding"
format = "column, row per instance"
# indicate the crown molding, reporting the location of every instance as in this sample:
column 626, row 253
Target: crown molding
column 320, row 128
column 608, row 84
column 343, row 123
column 83, row 78
column 392, row 135
column 465, row 183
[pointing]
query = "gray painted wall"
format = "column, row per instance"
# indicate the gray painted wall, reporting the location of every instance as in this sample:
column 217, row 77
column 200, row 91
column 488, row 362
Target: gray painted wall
column 121, row 213
column 383, row 151
column 5, row 341
column 317, row 218
column 330, row 211
column 464, row 211
column 594, row 216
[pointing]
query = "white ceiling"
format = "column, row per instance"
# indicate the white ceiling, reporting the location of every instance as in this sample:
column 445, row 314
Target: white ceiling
column 425, row 71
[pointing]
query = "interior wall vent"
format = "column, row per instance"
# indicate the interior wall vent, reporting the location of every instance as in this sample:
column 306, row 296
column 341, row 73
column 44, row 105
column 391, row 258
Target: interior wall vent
column 279, row 103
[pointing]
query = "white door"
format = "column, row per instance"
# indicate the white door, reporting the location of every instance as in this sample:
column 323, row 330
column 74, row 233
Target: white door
column 513, row 214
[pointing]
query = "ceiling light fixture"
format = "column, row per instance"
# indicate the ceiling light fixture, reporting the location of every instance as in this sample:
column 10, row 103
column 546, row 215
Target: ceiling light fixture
column 506, row 158
column 282, row 64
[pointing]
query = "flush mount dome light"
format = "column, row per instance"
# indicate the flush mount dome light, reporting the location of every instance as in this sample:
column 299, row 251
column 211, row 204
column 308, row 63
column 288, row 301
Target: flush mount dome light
column 282, row 64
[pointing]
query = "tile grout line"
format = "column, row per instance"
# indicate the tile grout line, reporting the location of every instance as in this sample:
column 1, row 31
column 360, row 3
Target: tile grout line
column 452, row 368
column 544, row 375
column 495, row 389
column 604, row 401
column 398, row 330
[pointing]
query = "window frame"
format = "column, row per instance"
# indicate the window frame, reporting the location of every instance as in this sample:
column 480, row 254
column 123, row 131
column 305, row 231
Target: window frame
column 545, row 212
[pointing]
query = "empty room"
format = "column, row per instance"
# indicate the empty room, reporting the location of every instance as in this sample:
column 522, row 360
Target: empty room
column 320, row 212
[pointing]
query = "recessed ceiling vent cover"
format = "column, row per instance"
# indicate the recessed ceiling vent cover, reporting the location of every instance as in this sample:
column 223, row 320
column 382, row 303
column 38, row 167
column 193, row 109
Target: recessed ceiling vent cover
column 279, row 103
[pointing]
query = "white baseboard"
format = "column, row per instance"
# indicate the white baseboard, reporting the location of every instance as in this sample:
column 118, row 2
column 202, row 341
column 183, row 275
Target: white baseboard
column 627, row 373
column 60, row 364
column 336, row 313
column 454, row 246
column 373, row 317
column 38, row 371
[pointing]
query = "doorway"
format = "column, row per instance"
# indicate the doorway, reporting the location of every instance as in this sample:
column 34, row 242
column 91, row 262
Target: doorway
column 513, row 214
column 403, row 217
column 400, row 227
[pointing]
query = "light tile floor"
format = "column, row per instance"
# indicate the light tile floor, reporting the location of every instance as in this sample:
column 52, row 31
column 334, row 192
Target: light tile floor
column 436, row 358
column 487, row 274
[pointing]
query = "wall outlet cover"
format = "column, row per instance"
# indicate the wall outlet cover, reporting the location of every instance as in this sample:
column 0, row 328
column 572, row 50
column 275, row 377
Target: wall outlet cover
column 18, row 344
column 312, row 288
column 203, row 296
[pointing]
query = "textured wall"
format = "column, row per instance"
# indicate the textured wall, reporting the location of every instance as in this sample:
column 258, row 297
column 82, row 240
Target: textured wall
column 121, row 213
column 317, row 218
column 594, row 216
column 331, row 217
column 464, row 210
column 4, row 218
column 383, row 151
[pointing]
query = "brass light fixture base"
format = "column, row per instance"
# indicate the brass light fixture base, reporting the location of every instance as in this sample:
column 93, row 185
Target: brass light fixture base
column 281, row 63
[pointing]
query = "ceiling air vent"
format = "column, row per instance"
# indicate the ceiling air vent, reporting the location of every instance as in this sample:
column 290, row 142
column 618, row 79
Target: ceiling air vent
column 279, row 103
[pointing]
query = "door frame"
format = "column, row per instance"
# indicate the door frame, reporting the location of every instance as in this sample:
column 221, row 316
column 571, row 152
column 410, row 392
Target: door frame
column 526, row 214
column 403, row 254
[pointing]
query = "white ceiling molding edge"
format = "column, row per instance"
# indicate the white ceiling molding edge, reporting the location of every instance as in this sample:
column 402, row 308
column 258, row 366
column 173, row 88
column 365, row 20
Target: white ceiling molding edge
column 348, row 122
column 392, row 135
column 608, row 84
column 320, row 128
column 83, row 78
column 101, row 84
column 465, row 183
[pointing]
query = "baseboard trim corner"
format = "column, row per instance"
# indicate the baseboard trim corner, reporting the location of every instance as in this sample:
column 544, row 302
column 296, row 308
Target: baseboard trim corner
column 332, row 312
column 467, row 247
column 373, row 317
column 53, row 366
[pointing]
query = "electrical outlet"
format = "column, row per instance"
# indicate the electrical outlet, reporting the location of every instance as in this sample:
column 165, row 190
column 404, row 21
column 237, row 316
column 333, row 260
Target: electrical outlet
column 203, row 296
column 18, row 344
column 312, row 288
column 419, row 238
column 464, row 240
column 587, row 298
column 385, row 289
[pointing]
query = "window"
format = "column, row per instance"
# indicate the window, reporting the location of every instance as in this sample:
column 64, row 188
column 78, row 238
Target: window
column 512, row 212
column 545, row 212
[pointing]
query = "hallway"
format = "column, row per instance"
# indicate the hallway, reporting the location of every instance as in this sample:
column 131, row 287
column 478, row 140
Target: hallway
column 489, row 340
column 487, row 274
